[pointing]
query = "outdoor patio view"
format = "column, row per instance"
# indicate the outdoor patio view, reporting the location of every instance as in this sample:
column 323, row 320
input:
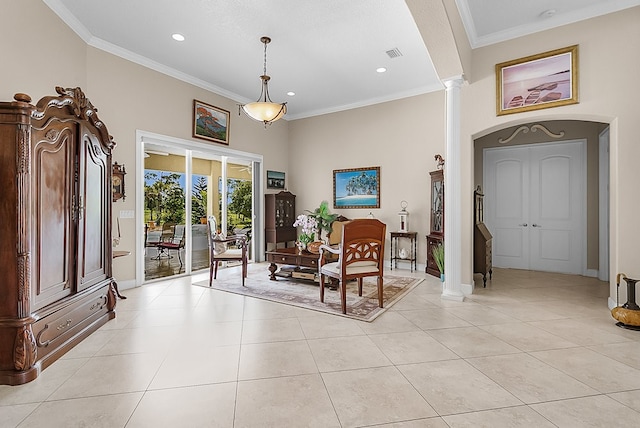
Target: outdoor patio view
column 165, row 211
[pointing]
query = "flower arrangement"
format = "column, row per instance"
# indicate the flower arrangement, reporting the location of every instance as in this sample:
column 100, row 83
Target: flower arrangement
column 309, row 227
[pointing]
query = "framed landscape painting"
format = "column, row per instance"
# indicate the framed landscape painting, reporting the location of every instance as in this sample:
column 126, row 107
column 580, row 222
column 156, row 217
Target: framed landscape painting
column 210, row 123
column 356, row 188
column 549, row 79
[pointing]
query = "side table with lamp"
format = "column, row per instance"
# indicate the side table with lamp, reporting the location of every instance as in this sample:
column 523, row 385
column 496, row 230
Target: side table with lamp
column 401, row 254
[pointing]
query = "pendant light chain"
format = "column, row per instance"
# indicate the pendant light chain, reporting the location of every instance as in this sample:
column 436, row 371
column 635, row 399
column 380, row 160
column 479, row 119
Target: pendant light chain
column 265, row 58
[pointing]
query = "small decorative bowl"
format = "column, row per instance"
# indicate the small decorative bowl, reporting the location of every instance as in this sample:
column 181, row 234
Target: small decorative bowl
column 314, row 247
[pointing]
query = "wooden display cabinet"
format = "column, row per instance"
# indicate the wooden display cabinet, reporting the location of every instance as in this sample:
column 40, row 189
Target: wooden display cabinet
column 436, row 234
column 280, row 214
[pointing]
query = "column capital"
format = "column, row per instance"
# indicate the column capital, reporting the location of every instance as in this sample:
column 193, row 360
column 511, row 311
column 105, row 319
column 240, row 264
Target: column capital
column 453, row 82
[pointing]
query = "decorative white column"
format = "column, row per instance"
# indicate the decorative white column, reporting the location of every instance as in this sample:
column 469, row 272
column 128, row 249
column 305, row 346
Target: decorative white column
column 452, row 197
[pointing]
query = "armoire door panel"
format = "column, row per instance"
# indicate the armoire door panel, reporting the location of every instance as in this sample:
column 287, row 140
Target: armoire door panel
column 94, row 198
column 53, row 224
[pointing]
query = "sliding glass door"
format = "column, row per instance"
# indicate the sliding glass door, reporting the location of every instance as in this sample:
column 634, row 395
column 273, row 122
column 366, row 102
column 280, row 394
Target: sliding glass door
column 182, row 187
column 164, row 211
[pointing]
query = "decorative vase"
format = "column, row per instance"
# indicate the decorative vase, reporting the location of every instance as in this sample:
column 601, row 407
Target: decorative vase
column 403, row 253
column 301, row 246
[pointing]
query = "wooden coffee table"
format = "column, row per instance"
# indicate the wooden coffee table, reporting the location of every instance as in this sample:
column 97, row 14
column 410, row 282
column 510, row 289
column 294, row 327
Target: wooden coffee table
column 291, row 257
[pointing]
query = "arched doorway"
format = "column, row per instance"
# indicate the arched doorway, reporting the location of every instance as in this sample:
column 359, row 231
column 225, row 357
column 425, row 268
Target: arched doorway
column 550, row 132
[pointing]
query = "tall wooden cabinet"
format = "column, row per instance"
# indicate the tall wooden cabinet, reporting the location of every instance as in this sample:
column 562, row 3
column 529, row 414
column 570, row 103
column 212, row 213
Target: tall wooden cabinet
column 436, row 234
column 280, row 214
column 55, row 221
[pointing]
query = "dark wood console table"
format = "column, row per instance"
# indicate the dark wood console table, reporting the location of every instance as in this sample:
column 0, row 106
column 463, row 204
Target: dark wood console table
column 292, row 257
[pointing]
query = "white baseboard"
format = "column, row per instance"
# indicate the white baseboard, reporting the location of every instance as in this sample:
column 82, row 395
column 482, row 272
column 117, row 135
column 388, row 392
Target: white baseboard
column 611, row 303
column 593, row 273
column 467, row 289
column 126, row 285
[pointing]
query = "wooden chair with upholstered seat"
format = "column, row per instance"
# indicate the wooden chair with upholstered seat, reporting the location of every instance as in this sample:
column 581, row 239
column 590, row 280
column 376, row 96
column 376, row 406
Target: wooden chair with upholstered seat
column 219, row 250
column 360, row 255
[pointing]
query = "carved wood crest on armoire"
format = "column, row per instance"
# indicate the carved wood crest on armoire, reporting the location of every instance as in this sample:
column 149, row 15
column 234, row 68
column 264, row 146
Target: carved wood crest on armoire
column 55, row 222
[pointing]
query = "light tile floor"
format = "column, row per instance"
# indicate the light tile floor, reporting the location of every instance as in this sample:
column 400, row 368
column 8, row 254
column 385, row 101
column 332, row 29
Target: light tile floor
column 531, row 350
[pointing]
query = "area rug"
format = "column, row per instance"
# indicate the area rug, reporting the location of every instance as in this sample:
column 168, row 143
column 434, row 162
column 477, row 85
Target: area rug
column 305, row 294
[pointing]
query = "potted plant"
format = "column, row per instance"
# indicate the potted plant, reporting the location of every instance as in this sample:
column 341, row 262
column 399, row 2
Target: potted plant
column 438, row 257
column 323, row 218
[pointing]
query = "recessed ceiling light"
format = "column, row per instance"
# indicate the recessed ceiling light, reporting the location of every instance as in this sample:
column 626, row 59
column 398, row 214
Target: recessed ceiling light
column 548, row 13
column 381, row 70
column 291, row 93
column 178, row 37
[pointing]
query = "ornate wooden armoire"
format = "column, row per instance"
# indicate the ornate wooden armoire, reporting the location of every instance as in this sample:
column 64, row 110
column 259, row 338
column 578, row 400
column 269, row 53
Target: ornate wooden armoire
column 55, row 223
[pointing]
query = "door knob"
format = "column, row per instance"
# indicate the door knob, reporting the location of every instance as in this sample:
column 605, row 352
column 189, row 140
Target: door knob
column 523, row 224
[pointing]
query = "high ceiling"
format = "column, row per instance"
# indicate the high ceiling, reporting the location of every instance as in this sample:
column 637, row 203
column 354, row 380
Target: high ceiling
column 326, row 51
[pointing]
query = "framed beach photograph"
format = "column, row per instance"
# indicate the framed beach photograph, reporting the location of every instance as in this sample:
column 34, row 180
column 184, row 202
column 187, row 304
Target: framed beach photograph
column 210, row 123
column 545, row 80
column 275, row 180
column 356, row 188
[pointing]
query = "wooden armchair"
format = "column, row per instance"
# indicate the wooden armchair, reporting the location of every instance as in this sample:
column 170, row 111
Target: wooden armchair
column 360, row 254
column 219, row 251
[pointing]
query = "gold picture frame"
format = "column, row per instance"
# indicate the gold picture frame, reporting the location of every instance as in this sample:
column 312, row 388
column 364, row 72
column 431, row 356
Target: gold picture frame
column 545, row 80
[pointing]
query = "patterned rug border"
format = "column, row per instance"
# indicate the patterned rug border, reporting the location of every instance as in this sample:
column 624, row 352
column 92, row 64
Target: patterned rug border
column 363, row 308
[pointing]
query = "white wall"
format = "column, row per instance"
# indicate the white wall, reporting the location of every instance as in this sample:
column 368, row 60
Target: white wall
column 401, row 137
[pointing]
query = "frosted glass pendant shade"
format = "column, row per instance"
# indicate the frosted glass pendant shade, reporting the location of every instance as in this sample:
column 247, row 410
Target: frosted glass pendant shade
column 265, row 111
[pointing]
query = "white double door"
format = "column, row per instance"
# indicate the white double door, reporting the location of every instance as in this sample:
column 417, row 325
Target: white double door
column 535, row 206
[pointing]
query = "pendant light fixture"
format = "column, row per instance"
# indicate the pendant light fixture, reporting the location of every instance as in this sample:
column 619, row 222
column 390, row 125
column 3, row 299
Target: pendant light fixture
column 264, row 110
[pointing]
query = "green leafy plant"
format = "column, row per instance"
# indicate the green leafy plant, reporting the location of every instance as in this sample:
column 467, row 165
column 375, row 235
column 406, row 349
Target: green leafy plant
column 438, row 256
column 323, row 217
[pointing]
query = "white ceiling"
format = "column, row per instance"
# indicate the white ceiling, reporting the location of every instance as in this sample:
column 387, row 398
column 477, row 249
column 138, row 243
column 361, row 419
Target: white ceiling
column 326, row 51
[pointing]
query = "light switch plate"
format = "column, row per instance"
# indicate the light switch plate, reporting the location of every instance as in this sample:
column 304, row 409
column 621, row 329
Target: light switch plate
column 127, row 214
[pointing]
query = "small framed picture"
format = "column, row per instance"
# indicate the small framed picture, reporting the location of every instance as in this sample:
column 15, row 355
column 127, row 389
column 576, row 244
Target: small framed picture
column 275, row 180
column 356, row 188
column 545, row 80
column 210, row 123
